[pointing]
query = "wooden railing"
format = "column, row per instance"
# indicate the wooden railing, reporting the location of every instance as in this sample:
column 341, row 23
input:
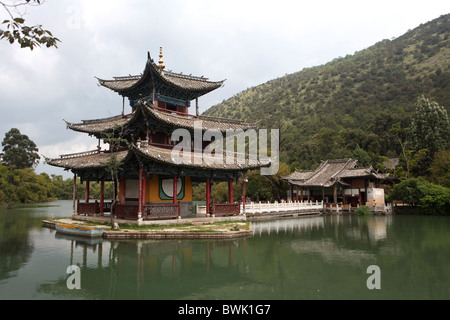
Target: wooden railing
column 149, row 211
column 126, row 211
column 88, row 208
column 161, row 211
column 92, row 207
column 224, row 209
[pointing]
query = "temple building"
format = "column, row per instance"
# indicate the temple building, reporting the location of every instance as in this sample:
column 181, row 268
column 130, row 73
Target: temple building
column 148, row 181
column 338, row 181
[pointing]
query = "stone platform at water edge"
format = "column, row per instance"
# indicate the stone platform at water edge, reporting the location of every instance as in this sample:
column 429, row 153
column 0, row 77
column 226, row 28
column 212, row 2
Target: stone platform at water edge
column 186, row 228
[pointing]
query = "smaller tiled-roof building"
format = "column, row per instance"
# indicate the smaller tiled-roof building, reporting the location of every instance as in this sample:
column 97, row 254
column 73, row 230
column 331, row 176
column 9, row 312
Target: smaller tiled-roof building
column 335, row 181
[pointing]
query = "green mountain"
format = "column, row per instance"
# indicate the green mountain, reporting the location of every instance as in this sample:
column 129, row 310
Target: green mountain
column 329, row 110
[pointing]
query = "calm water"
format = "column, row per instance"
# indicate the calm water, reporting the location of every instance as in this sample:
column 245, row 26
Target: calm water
column 320, row 257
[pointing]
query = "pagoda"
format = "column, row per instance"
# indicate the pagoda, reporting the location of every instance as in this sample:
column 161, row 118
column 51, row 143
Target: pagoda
column 148, row 182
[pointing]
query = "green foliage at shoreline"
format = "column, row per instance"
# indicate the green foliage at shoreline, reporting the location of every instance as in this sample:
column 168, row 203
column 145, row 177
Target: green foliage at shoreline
column 26, row 186
column 363, row 211
column 431, row 198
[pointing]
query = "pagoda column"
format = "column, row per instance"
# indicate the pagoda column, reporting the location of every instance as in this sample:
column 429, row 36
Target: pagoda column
column 230, row 191
column 140, row 194
column 243, row 194
column 86, row 198
column 175, row 193
column 144, row 189
column 74, row 191
column 208, row 195
column 102, row 195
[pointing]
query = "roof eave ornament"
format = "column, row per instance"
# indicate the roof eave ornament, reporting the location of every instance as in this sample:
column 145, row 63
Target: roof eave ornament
column 161, row 62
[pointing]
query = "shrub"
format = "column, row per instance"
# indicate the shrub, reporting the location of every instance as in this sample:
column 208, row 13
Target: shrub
column 362, row 211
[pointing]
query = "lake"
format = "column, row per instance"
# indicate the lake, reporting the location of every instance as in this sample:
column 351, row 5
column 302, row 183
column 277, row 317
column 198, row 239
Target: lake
column 314, row 257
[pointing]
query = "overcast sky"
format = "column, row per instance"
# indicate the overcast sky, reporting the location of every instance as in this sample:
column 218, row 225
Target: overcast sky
column 246, row 42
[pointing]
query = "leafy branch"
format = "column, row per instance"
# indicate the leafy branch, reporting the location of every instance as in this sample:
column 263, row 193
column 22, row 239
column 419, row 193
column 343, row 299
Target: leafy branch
column 17, row 30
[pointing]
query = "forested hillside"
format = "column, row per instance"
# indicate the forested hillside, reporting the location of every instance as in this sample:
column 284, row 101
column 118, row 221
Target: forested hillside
column 330, row 110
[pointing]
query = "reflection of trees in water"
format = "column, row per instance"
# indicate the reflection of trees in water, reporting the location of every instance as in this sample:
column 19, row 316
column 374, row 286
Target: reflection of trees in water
column 16, row 246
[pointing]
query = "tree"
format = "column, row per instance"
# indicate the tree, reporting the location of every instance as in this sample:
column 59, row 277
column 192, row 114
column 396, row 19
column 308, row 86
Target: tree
column 401, row 135
column 114, row 165
column 417, row 192
column 19, row 151
column 440, row 169
column 17, row 30
column 363, row 157
column 430, row 128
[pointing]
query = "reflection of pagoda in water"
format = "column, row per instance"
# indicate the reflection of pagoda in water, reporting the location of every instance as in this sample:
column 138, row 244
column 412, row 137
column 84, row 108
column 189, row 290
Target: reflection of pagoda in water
column 152, row 184
column 287, row 225
column 146, row 266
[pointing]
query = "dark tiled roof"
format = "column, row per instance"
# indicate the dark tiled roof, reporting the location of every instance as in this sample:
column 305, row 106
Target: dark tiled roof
column 299, row 175
column 356, row 172
column 331, row 172
column 177, row 80
column 99, row 125
column 208, row 123
column 327, row 172
column 175, row 120
column 197, row 160
column 96, row 159
column 84, row 160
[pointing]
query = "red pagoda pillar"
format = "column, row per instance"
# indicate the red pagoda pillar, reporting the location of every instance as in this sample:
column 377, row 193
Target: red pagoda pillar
column 144, row 189
column 74, row 191
column 175, row 193
column 86, row 198
column 140, row 193
column 208, row 195
column 230, row 191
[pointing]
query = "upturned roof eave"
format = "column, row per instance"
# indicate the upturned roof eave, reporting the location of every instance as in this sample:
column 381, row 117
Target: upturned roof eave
column 172, row 120
column 152, row 70
column 157, row 154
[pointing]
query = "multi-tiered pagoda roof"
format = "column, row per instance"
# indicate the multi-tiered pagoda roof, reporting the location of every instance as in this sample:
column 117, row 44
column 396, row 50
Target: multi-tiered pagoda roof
column 159, row 102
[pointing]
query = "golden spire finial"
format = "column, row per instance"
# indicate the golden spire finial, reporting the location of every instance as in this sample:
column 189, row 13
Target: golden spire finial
column 161, row 63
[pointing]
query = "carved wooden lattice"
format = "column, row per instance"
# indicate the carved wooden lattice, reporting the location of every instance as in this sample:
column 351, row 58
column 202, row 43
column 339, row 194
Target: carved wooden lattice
column 88, row 208
column 126, row 211
column 225, row 209
column 161, row 211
